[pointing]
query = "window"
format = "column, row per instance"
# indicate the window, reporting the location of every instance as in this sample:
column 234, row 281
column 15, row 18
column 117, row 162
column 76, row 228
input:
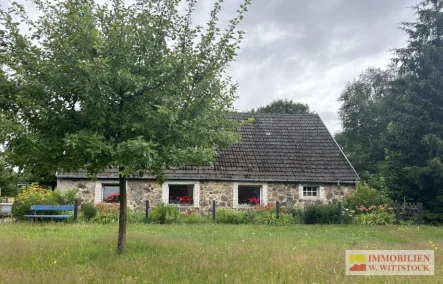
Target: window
column 248, row 194
column 176, row 191
column 311, row 191
column 110, row 189
column 173, row 190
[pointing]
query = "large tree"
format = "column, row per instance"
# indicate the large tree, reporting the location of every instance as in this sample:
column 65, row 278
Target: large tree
column 283, row 106
column 364, row 116
column 136, row 87
column 414, row 160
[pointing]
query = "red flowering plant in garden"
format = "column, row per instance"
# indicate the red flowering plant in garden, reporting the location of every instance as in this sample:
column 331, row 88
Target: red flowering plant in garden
column 253, row 200
column 185, row 199
column 113, row 198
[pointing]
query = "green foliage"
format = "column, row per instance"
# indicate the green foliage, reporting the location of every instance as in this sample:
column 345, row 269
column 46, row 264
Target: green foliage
column 393, row 120
column 320, row 214
column 364, row 118
column 8, row 180
column 65, row 197
column 375, row 218
column 435, row 219
column 270, row 218
column 32, row 195
column 164, row 214
column 195, row 218
column 284, row 106
column 89, row 211
column 226, row 216
column 107, row 213
column 135, row 216
column 131, row 86
column 367, row 196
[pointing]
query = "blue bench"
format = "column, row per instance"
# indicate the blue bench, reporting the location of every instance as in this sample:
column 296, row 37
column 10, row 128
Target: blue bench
column 37, row 208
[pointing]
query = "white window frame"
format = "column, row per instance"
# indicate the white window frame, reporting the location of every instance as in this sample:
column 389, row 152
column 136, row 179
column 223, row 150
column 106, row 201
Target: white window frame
column 196, row 193
column 263, row 193
column 108, row 184
column 320, row 192
column 99, row 188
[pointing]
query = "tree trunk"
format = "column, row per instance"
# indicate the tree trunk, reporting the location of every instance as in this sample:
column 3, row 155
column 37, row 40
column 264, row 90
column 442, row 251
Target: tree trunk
column 122, row 217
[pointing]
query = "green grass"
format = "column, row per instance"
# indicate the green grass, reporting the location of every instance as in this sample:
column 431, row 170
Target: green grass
column 86, row 253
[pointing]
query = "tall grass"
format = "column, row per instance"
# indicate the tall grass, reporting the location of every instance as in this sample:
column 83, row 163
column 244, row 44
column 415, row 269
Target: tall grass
column 86, row 253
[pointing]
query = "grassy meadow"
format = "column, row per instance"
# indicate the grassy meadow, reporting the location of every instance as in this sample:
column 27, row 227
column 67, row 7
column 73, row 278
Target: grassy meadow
column 86, row 253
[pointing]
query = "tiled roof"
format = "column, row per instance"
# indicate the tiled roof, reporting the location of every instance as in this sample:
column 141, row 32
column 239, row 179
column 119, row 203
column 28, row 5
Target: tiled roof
column 275, row 147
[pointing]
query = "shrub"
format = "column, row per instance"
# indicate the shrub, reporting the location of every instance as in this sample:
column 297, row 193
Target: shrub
column 367, row 196
column 136, row 216
column 270, row 218
column 107, row 213
column 434, row 219
column 192, row 217
column 164, row 214
column 375, row 218
column 65, row 197
column 225, row 216
column 89, row 211
column 32, row 195
column 320, row 214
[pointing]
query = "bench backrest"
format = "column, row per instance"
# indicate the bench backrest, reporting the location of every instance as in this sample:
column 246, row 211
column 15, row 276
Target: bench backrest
column 5, row 208
column 52, row 207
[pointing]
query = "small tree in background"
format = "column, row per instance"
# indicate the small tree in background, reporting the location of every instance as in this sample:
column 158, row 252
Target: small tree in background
column 134, row 87
column 284, row 106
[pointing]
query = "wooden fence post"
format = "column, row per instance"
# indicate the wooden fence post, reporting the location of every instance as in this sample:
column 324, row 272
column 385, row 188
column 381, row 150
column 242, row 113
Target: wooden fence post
column 397, row 211
column 339, row 220
column 75, row 209
column 147, row 212
column 420, row 213
column 277, row 209
column 213, row 211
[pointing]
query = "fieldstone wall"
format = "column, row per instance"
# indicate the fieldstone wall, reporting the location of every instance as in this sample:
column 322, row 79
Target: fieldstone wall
column 221, row 192
column 290, row 194
column 86, row 188
column 138, row 191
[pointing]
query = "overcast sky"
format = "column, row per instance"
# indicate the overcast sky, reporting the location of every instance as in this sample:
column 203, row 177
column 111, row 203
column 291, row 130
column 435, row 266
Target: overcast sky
column 306, row 50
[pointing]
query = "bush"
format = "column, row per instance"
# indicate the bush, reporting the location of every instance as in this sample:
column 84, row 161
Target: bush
column 320, row 214
column 32, row 195
column 225, row 216
column 136, row 217
column 270, row 218
column 89, row 211
column 375, row 218
column 366, row 196
column 191, row 217
column 107, row 213
column 164, row 214
column 65, row 197
column 434, row 219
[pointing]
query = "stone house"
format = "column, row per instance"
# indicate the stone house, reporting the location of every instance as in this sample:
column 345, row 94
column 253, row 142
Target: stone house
column 289, row 158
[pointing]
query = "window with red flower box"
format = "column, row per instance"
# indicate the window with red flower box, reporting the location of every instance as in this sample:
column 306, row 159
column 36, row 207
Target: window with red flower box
column 248, row 195
column 181, row 194
column 110, row 193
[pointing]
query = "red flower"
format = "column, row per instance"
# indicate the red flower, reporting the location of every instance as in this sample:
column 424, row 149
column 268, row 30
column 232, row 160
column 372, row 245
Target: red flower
column 113, row 197
column 185, row 199
column 254, row 200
